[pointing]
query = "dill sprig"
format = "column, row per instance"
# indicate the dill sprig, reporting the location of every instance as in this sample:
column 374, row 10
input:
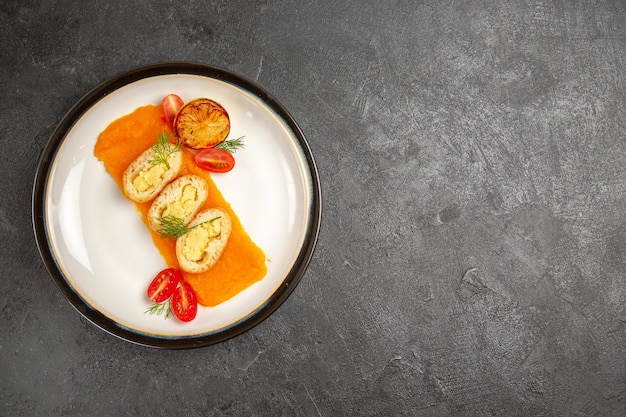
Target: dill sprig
column 174, row 227
column 232, row 145
column 159, row 309
column 163, row 149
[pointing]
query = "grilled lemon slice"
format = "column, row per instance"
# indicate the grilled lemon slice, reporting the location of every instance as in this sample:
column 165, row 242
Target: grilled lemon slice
column 202, row 123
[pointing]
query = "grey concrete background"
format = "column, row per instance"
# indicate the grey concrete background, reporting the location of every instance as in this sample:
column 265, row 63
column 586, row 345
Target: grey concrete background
column 472, row 255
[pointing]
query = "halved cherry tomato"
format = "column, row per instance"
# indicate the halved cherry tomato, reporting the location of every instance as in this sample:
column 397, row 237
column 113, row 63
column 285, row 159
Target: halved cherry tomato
column 215, row 160
column 171, row 104
column 184, row 302
column 163, row 285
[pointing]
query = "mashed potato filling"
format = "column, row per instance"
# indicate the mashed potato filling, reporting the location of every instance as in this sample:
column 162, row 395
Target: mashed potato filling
column 199, row 239
column 184, row 204
column 147, row 179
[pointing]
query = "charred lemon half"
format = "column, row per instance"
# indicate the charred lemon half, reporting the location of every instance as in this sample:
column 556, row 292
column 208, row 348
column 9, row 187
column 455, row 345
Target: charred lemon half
column 202, row 123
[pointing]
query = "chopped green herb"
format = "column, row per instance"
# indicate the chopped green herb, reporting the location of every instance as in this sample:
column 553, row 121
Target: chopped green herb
column 159, row 309
column 232, row 145
column 174, row 227
column 163, row 149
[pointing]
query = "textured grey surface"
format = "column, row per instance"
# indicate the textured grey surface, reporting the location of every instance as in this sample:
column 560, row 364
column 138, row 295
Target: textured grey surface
column 472, row 255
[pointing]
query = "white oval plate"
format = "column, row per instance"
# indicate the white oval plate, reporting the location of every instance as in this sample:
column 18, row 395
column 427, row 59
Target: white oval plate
column 100, row 254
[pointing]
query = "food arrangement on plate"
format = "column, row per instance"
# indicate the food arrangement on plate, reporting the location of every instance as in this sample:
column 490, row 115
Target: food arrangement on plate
column 162, row 158
column 115, row 259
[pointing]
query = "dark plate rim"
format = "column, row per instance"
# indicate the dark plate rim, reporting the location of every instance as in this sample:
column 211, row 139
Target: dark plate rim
column 47, row 159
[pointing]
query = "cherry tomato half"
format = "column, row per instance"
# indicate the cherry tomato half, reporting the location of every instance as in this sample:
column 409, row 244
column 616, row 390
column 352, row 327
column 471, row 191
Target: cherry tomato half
column 171, row 104
column 163, row 285
column 184, row 302
column 215, row 160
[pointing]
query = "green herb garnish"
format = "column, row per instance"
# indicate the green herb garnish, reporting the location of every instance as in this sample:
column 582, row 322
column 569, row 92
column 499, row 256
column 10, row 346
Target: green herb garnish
column 174, row 227
column 163, row 149
column 232, row 145
column 159, row 309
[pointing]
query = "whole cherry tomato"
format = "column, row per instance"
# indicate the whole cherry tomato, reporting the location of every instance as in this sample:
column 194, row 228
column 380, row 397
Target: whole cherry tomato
column 171, row 104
